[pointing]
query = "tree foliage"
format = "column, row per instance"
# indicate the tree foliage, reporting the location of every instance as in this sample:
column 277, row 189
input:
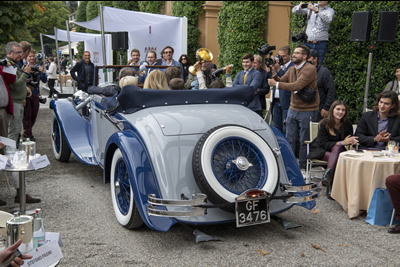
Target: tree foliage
column 191, row 10
column 56, row 15
column 348, row 60
column 150, row 6
column 127, row 5
column 14, row 15
column 238, row 32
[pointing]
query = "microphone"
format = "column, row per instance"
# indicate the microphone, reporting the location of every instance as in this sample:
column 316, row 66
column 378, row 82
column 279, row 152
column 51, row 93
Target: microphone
column 218, row 71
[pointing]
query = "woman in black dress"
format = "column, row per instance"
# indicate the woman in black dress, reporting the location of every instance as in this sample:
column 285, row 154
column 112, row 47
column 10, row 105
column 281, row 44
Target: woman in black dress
column 335, row 132
column 185, row 61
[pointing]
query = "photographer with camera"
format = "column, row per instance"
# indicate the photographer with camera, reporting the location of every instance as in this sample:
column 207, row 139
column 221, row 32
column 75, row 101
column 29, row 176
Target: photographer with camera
column 280, row 98
column 319, row 16
column 37, row 75
column 18, row 91
column 301, row 81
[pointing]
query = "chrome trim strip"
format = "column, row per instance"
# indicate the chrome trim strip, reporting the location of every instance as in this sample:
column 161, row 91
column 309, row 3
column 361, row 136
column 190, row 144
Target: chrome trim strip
column 197, row 199
column 194, row 212
column 302, row 188
column 301, row 199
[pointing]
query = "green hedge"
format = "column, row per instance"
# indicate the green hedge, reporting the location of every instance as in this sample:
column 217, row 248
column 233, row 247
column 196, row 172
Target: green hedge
column 348, row 61
column 240, row 30
column 191, row 10
column 150, row 6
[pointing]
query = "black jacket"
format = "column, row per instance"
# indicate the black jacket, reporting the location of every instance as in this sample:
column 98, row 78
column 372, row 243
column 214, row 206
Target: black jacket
column 326, row 87
column 325, row 141
column 80, row 69
column 367, row 129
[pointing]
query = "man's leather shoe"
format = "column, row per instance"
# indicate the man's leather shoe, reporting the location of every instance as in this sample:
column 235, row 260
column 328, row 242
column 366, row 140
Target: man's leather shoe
column 394, row 230
column 29, row 199
column 2, row 203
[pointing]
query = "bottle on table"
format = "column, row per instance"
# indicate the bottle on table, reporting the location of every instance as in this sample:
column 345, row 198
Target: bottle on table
column 39, row 234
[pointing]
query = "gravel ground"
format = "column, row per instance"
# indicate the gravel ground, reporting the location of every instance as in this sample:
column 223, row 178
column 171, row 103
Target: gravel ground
column 77, row 204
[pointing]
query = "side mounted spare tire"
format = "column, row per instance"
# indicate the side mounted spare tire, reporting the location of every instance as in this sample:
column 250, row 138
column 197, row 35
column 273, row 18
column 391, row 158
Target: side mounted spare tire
column 231, row 159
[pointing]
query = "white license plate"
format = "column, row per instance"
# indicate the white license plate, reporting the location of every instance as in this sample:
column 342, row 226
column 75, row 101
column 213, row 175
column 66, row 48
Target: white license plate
column 251, row 211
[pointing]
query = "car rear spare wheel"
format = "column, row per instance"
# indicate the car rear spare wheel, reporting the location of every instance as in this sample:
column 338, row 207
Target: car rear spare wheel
column 231, row 159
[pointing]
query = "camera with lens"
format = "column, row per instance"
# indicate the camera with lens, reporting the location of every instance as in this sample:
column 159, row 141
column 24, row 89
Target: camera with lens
column 42, row 99
column 266, row 49
column 300, row 37
column 3, row 62
column 34, row 69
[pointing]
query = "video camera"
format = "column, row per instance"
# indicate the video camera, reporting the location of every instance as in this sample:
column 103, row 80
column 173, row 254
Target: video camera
column 266, row 50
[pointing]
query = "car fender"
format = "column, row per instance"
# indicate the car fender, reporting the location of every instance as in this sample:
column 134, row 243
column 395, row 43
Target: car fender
column 292, row 168
column 141, row 173
column 77, row 136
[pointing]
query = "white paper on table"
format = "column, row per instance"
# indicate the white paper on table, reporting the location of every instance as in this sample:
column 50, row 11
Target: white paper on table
column 8, row 142
column 39, row 162
column 47, row 254
column 10, row 70
column 3, row 162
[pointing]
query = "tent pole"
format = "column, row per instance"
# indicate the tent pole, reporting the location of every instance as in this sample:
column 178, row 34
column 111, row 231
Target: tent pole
column 70, row 51
column 103, row 41
column 58, row 60
column 42, row 47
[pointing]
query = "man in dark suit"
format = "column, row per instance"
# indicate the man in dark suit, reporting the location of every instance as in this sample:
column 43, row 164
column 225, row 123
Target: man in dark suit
column 250, row 77
column 281, row 98
column 382, row 124
column 264, row 89
column 85, row 71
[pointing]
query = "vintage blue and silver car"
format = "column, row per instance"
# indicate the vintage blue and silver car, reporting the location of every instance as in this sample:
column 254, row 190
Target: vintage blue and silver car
column 187, row 156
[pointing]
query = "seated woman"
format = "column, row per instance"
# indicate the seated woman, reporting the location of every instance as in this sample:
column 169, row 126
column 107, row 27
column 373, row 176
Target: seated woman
column 128, row 80
column 334, row 133
column 156, row 80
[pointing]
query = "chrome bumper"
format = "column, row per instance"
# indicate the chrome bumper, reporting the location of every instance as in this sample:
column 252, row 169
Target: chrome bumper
column 197, row 206
column 177, row 208
column 302, row 193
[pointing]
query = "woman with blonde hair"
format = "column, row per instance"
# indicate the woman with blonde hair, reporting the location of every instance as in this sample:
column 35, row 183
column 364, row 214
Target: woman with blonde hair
column 128, row 80
column 156, row 80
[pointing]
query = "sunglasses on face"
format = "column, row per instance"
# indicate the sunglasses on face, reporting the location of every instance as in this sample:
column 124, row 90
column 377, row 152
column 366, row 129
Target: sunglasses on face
column 168, row 52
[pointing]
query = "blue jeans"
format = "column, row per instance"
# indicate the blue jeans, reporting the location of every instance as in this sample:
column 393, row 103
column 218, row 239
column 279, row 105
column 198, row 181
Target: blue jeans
column 299, row 122
column 279, row 115
column 321, row 47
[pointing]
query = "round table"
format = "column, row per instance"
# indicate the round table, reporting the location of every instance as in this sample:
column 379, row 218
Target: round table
column 357, row 176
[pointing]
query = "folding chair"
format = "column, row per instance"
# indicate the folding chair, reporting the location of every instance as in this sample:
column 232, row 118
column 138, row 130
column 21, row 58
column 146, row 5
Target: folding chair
column 268, row 113
column 313, row 162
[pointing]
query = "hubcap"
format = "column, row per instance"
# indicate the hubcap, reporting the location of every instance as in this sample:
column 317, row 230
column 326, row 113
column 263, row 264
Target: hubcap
column 242, row 163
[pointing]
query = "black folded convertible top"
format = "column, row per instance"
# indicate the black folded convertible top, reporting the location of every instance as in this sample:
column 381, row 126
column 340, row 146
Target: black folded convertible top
column 132, row 98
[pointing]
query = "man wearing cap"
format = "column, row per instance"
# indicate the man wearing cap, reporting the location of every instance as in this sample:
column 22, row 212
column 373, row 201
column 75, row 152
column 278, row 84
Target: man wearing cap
column 326, row 85
column 319, row 16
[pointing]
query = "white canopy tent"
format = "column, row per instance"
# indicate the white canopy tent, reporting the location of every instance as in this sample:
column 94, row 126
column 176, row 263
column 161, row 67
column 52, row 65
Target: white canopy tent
column 93, row 44
column 65, row 49
column 146, row 31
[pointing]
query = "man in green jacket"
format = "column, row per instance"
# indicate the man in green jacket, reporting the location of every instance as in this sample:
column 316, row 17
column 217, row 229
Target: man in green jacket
column 18, row 91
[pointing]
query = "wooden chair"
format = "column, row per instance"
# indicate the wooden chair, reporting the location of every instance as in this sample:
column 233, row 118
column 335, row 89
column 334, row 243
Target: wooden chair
column 313, row 162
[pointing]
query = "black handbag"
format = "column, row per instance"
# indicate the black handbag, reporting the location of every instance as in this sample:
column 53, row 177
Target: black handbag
column 306, row 94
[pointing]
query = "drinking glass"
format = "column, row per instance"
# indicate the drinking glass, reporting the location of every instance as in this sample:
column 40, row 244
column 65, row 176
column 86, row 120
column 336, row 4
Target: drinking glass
column 390, row 146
